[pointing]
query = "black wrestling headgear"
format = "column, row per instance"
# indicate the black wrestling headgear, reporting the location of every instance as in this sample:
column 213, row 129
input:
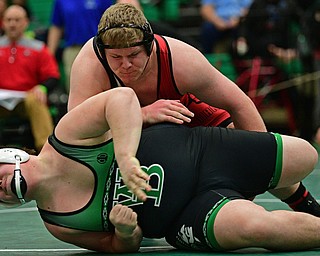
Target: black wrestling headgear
column 147, row 40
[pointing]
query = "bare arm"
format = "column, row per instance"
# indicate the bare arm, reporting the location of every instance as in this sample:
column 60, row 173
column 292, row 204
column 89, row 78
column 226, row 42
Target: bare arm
column 88, row 76
column 211, row 86
column 209, row 14
column 54, row 37
column 117, row 110
column 126, row 238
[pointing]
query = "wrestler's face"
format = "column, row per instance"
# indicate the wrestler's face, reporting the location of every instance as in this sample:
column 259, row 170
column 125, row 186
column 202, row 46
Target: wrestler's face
column 7, row 197
column 128, row 63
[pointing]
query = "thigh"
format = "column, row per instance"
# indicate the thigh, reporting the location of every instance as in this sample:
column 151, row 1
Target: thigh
column 193, row 229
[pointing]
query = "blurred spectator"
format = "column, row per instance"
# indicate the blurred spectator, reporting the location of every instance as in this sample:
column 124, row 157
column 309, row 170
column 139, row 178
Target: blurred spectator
column 221, row 21
column 24, row 4
column 163, row 27
column 271, row 31
column 29, row 71
column 29, row 32
column 3, row 7
column 317, row 135
column 310, row 56
column 74, row 21
column 267, row 29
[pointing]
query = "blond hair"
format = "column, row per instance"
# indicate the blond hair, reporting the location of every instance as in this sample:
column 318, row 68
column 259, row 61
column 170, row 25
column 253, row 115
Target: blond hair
column 118, row 24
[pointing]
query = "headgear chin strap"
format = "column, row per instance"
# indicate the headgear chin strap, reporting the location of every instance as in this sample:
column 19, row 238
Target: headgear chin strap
column 16, row 156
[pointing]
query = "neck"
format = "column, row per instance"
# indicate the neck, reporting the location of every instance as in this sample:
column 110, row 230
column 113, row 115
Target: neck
column 145, row 67
column 33, row 174
column 149, row 63
column 14, row 39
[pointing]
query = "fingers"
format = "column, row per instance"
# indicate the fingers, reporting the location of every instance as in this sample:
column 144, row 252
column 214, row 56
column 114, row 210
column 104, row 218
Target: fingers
column 123, row 218
column 39, row 95
column 180, row 111
column 138, row 185
column 122, row 212
column 167, row 111
column 134, row 177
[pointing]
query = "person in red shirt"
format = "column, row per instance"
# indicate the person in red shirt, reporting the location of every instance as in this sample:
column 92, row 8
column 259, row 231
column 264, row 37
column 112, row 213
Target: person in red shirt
column 27, row 66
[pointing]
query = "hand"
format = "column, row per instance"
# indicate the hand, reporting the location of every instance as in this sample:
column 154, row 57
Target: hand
column 134, row 177
column 285, row 55
column 172, row 111
column 124, row 220
column 39, row 94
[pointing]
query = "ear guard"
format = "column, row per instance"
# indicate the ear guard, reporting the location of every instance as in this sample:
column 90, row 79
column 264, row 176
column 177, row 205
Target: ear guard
column 147, row 40
column 18, row 183
column 8, row 155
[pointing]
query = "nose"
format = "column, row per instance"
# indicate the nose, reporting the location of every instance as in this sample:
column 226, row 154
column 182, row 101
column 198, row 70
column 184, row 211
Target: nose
column 126, row 63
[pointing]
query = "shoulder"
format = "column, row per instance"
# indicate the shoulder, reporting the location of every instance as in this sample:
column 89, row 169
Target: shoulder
column 88, row 58
column 87, row 51
column 183, row 53
column 179, row 47
column 189, row 65
column 32, row 44
column 4, row 41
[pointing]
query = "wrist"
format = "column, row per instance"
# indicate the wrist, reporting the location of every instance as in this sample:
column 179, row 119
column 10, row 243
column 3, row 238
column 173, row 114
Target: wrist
column 135, row 233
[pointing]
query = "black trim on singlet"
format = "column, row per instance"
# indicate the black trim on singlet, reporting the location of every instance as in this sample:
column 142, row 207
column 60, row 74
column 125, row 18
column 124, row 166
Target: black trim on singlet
column 159, row 67
column 169, row 59
column 160, row 60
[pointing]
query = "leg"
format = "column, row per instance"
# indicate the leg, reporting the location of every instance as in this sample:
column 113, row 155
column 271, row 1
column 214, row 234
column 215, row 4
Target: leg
column 69, row 55
column 40, row 120
column 255, row 227
column 297, row 165
column 299, row 160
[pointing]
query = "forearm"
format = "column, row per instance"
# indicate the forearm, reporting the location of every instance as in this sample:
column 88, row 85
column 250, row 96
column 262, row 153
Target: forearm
column 247, row 117
column 127, row 235
column 125, row 123
column 208, row 13
column 127, row 243
column 54, row 36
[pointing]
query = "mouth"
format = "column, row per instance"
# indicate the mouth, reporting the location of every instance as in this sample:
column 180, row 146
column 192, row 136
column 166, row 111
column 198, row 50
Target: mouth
column 126, row 73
